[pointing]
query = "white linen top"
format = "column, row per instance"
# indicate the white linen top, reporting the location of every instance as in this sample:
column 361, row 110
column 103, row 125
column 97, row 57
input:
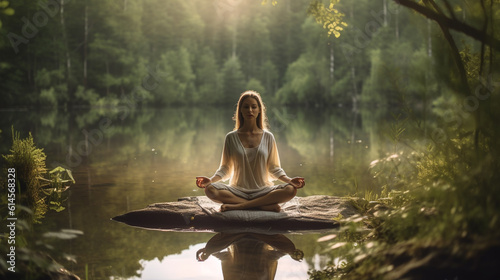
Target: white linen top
column 249, row 175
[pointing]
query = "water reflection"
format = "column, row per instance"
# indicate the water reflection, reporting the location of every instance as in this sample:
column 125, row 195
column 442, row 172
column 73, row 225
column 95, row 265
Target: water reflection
column 154, row 154
column 249, row 255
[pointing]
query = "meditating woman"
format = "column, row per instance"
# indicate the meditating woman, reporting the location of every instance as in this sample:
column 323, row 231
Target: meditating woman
column 249, row 255
column 251, row 162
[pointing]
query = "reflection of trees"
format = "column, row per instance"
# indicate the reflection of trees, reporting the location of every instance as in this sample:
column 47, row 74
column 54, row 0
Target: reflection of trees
column 111, row 249
column 117, row 177
column 249, row 255
column 332, row 146
column 118, row 174
column 335, row 147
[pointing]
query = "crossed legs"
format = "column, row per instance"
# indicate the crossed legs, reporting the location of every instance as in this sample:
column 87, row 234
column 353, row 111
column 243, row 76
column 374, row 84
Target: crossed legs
column 268, row 202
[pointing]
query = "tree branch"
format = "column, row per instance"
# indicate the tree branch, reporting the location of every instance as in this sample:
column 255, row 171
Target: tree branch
column 450, row 9
column 451, row 23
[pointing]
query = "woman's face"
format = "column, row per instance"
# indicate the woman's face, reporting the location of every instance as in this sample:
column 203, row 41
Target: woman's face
column 250, row 109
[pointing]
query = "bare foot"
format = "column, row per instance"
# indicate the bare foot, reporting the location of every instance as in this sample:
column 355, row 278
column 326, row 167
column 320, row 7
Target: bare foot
column 229, row 207
column 272, row 208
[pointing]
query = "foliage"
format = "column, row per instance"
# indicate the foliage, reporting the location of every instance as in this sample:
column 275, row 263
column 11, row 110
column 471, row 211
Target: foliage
column 59, row 180
column 176, row 83
column 88, row 96
column 32, row 257
column 179, row 52
column 48, row 98
column 29, row 163
column 233, row 83
column 437, row 199
column 305, row 81
column 207, row 76
column 256, row 85
column 269, row 41
column 5, row 9
column 330, row 17
column 428, row 207
column 397, row 72
column 36, row 191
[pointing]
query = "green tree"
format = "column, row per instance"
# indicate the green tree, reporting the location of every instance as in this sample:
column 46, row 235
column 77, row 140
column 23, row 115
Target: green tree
column 207, row 76
column 256, row 85
column 233, row 80
column 268, row 74
column 307, row 78
column 177, row 79
column 111, row 63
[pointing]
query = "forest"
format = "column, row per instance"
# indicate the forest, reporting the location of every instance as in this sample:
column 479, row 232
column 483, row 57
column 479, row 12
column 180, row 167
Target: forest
column 391, row 104
column 154, row 52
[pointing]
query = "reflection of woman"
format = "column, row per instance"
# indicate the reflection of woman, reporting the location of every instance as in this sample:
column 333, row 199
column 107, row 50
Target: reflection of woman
column 249, row 255
column 250, row 160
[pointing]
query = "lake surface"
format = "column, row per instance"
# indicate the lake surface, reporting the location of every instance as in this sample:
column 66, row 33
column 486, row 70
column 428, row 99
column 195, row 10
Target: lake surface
column 126, row 160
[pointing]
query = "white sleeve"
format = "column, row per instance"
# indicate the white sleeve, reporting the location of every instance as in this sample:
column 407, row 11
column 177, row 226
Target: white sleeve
column 273, row 162
column 226, row 164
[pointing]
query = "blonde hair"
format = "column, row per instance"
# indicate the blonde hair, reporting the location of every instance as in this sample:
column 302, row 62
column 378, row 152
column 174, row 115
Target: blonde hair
column 261, row 118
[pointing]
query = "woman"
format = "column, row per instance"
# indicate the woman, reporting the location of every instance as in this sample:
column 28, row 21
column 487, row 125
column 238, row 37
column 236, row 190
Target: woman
column 249, row 255
column 250, row 160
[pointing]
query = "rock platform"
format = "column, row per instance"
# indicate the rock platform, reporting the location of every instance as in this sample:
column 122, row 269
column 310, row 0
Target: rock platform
column 303, row 214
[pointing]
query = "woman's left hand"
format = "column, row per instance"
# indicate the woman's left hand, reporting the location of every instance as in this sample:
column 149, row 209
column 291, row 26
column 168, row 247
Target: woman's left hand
column 298, row 182
column 202, row 181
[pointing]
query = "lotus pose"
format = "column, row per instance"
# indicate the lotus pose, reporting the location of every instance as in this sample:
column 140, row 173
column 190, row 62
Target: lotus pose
column 249, row 255
column 251, row 162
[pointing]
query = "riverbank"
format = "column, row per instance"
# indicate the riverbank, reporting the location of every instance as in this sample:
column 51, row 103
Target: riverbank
column 442, row 223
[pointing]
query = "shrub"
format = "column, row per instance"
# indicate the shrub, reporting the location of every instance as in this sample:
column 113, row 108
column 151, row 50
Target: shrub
column 29, row 163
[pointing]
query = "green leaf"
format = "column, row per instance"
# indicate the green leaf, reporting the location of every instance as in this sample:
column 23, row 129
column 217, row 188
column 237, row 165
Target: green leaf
column 57, row 169
column 9, row 11
column 70, row 174
column 60, row 235
column 58, row 208
column 338, row 218
column 72, row 231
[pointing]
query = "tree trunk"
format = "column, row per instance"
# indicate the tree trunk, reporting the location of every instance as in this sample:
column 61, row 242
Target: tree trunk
column 354, row 89
column 397, row 23
column 107, row 75
column 85, row 43
column 332, row 62
column 332, row 146
column 235, row 30
column 429, row 38
column 234, row 37
column 65, row 40
column 353, row 71
column 385, row 12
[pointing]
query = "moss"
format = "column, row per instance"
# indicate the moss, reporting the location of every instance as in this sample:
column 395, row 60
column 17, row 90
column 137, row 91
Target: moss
column 29, row 164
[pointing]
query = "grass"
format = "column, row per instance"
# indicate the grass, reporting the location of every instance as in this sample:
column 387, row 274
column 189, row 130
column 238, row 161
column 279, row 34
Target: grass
column 438, row 214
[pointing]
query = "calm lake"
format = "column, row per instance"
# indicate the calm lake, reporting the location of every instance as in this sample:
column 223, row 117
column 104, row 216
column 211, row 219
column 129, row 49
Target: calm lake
column 124, row 160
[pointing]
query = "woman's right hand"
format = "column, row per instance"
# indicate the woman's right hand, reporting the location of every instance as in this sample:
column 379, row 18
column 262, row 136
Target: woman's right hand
column 202, row 255
column 297, row 182
column 203, row 182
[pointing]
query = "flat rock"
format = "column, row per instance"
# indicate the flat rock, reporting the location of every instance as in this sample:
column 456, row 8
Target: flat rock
column 303, row 214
